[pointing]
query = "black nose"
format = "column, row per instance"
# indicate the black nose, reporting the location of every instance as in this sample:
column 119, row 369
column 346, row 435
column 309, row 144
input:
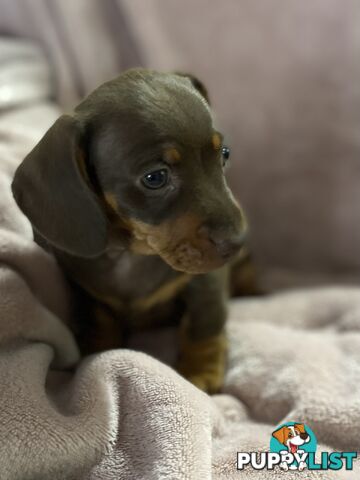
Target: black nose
column 227, row 245
column 304, row 436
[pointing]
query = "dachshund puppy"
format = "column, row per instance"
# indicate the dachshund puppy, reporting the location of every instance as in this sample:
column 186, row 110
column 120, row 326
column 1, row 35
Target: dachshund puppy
column 130, row 196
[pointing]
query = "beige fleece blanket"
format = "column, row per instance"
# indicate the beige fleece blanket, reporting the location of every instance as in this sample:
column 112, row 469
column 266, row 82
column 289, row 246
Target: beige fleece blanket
column 125, row 415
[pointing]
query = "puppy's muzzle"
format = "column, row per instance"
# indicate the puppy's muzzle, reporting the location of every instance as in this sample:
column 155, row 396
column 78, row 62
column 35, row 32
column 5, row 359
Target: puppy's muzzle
column 226, row 244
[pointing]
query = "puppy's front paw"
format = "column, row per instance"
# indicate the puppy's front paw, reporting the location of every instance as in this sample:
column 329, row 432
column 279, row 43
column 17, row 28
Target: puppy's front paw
column 203, row 362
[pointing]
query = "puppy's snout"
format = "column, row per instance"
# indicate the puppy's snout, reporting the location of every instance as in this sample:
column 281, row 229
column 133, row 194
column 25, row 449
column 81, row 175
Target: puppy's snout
column 227, row 245
column 304, row 436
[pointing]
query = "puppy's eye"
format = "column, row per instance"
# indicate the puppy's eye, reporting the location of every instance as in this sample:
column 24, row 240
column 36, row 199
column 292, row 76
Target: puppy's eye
column 156, row 179
column 290, row 435
column 225, row 153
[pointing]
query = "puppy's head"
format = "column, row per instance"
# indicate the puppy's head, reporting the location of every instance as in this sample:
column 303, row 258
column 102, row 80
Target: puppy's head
column 139, row 165
column 292, row 436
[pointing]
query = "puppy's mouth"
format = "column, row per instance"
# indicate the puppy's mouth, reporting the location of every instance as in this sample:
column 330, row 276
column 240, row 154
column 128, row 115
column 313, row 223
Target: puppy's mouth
column 194, row 255
column 293, row 448
column 189, row 258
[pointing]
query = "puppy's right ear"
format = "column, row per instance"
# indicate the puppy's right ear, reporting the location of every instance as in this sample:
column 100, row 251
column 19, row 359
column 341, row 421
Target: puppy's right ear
column 50, row 188
column 300, row 427
column 197, row 84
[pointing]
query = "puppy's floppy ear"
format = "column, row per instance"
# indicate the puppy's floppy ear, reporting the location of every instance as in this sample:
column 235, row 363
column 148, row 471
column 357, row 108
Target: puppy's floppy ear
column 280, row 434
column 300, row 427
column 200, row 87
column 49, row 188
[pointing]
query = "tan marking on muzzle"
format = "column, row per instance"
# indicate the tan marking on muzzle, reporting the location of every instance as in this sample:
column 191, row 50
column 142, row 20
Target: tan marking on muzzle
column 177, row 242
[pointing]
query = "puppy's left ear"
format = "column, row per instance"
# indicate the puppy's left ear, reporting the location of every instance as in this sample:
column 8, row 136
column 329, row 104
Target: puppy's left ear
column 50, row 188
column 280, row 434
column 200, row 87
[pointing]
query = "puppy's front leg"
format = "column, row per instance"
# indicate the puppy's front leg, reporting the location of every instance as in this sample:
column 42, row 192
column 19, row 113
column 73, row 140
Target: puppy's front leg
column 203, row 345
column 98, row 328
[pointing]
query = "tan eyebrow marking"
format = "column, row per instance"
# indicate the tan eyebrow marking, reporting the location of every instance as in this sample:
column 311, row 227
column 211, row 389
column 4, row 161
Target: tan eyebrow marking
column 216, row 141
column 172, row 155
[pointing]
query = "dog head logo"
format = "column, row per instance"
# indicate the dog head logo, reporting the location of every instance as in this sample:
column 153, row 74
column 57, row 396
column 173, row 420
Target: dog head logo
column 292, row 436
column 293, row 441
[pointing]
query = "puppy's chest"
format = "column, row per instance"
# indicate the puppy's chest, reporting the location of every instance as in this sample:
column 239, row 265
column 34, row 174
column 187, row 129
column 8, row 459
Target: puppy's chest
column 129, row 283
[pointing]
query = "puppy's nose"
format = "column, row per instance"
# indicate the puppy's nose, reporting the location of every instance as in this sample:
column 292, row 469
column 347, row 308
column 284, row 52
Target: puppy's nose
column 226, row 245
column 304, row 436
